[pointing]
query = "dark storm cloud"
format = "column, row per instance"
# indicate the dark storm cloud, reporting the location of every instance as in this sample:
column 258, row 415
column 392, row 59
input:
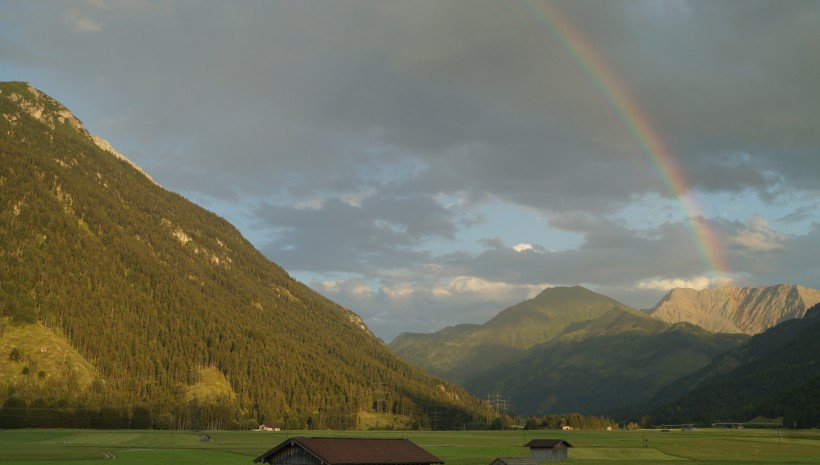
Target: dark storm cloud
column 312, row 87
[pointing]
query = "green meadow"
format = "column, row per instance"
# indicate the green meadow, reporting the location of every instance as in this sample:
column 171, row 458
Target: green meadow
column 148, row 447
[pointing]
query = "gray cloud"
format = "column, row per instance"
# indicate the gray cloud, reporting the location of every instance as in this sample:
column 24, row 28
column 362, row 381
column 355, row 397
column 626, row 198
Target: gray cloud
column 381, row 232
column 359, row 142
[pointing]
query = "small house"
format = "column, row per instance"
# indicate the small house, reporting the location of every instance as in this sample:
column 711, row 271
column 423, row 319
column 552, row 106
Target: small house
column 347, row 451
column 549, row 450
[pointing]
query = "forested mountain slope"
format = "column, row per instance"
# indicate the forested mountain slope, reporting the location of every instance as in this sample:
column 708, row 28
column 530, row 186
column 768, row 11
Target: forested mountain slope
column 172, row 317
column 567, row 349
column 616, row 361
column 460, row 352
column 775, row 374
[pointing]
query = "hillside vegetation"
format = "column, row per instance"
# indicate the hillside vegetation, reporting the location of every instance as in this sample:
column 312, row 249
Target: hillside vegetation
column 161, row 312
column 775, row 374
column 460, row 352
column 567, row 350
column 30, row 352
column 617, row 361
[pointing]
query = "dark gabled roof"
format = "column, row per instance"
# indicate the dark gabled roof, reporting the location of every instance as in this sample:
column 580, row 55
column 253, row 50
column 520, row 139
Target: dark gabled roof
column 353, row 451
column 546, row 443
column 514, row 461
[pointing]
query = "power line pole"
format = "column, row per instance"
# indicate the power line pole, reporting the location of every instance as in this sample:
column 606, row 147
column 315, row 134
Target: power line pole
column 499, row 404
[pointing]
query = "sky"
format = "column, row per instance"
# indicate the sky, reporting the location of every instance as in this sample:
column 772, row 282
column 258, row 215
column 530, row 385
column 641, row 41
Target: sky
column 431, row 162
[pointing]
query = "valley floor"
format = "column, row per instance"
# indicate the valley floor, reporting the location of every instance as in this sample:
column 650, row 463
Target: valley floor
column 147, row 447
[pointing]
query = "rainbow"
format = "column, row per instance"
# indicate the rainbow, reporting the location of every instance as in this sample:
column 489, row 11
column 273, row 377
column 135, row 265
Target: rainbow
column 656, row 152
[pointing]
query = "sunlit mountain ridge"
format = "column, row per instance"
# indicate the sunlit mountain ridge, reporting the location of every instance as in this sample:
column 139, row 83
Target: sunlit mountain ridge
column 570, row 349
column 154, row 312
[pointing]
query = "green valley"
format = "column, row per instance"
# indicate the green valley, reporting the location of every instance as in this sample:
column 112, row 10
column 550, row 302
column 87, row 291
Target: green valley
column 650, row 447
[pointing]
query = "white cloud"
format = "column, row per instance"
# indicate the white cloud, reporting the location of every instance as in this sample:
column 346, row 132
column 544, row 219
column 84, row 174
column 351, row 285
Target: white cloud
column 399, row 291
column 697, row 282
column 758, row 236
column 462, row 289
column 353, row 287
column 311, row 203
column 475, row 288
column 77, row 22
column 353, row 199
column 522, row 247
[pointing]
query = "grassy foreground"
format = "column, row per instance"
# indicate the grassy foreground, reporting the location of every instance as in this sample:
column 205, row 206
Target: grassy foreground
column 127, row 447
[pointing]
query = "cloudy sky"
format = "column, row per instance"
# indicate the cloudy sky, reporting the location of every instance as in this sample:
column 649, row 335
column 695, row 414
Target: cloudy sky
column 431, row 162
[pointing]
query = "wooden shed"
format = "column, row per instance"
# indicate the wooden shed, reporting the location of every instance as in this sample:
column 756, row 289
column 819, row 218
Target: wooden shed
column 347, row 451
column 514, row 461
column 549, row 450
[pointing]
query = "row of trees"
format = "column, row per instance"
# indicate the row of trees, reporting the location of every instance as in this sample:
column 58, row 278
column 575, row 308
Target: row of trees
column 572, row 420
column 193, row 415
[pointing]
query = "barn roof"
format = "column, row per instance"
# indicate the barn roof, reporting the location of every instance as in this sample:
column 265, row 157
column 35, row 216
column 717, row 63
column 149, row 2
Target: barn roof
column 547, row 443
column 354, row 451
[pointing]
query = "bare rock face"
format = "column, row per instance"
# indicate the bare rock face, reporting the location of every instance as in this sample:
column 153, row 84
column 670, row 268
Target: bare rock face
column 727, row 309
column 44, row 108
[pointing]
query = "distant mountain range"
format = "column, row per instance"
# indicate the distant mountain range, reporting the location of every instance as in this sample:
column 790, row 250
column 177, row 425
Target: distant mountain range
column 570, row 349
column 123, row 304
column 460, row 352
column 727, row 309
column 776, row 374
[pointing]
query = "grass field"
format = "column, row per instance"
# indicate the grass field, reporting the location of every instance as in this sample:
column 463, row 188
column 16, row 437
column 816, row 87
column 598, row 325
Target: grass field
column 129, row 447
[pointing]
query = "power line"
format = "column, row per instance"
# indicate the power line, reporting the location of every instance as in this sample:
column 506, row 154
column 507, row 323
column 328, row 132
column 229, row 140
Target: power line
column 498, row 403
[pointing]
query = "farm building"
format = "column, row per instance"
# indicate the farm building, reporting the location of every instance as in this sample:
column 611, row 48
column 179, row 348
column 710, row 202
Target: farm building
column 514, row 461
column 347, row 451
column 549, row 450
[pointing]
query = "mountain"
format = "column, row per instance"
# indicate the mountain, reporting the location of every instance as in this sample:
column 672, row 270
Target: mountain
column 775, row 374
column 568, row 349
column 726, row 309
column 124, row 304
column 614, row 362
column 459, row 352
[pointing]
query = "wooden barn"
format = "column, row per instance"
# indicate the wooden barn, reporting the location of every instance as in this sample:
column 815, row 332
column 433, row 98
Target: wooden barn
column 347, row 451
column 549, row 450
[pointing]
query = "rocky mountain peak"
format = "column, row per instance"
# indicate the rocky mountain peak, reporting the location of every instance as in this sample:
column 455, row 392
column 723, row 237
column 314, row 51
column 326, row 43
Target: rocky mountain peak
column 42, row 108
column 52, row 113
column 729, row 309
